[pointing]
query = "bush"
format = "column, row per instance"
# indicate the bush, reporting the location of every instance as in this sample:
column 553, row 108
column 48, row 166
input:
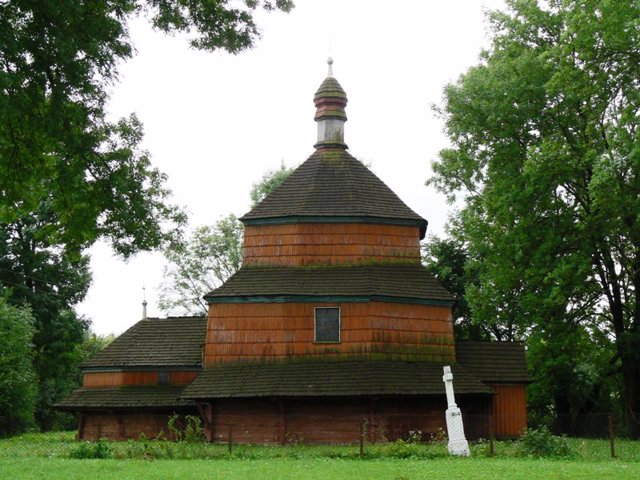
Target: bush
column 99, row 449
column 402, row 449
column 186, row 429
column 542, row 443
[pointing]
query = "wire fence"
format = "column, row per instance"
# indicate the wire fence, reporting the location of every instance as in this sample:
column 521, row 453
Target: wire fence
column 425, row 429
column 349, row 435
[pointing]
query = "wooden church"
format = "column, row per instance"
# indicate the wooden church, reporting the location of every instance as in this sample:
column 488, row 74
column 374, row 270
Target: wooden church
column 331, row 327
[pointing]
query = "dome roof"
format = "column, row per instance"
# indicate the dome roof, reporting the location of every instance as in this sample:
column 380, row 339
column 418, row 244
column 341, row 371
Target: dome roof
column 333, row 186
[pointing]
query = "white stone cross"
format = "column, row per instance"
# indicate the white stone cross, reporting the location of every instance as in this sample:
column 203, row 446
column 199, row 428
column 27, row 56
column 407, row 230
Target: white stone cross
column 455, row 429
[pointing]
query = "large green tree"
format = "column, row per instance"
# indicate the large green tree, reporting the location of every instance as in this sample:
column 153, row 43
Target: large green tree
column 57, row 61
column 546, row 155
column 49, row 279
column 69, row 175
column 17, row 378
column 448, row 260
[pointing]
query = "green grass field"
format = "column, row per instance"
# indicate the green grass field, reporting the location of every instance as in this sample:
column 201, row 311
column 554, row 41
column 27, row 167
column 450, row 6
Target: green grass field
column 40, row 456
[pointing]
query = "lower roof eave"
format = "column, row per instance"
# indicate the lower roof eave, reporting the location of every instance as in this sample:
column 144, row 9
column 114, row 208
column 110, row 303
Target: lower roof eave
column 336, row 378
column 337, row 396
column 190, row 405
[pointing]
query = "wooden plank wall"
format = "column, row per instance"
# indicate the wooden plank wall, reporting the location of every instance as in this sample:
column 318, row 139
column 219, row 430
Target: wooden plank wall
column 327, row 421
column 303, row 420
column 269, row 331
column 396, row 418
column 332, row 244
column 509, row 410
column 123, row 426
column 250, row 420
column 112, row 379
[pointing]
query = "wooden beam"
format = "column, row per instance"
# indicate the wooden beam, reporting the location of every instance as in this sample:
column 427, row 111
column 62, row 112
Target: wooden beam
column 205, row 409
column 372, row 420
column 81, row 422
column 283, row 422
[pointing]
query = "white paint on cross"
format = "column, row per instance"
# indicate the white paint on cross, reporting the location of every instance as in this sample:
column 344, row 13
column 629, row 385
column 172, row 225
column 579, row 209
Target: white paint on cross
column 455, row 429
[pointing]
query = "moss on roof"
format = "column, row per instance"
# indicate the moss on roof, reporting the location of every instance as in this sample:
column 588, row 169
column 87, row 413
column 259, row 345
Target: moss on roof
column 494, row 362
column 130, row 396
column 400, row 281
column 333, row 184
column 328, row 379
column 169, row 342
column 330, row 88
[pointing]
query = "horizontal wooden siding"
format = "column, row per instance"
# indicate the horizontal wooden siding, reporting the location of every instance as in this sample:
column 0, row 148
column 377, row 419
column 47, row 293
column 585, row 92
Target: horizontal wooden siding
column 249, row 331
column 112, row 379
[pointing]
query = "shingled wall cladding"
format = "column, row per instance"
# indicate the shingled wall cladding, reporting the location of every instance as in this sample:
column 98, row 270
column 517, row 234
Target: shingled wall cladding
column 269, row 331
column 314, row 244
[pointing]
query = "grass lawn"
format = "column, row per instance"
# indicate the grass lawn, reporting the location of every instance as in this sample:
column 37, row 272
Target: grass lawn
column 46, row 456
column 317, row 468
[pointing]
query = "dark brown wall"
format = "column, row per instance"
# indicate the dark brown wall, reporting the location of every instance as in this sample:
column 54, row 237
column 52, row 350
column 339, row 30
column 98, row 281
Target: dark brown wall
column 250, row 420
column 113, row 426
column 322, row 244
column 246, row 331
column 325, row 421
column 303, row 420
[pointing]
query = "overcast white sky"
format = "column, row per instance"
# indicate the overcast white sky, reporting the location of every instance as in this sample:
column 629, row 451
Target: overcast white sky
column 216, row 122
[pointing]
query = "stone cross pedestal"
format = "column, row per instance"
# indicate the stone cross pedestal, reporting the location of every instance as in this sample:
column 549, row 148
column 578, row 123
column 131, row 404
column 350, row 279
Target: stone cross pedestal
column 457, row 442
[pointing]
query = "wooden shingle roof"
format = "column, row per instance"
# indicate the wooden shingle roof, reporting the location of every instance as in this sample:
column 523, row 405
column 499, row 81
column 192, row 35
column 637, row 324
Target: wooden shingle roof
column 129, row 396
column 333, row 186
column 328, row 379
column 494, row 362
column 330, row 87
column 408, row 282
column 167, row 342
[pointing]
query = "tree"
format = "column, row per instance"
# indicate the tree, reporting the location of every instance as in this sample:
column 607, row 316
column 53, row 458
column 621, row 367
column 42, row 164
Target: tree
column 447, row 260
column 203, row 263
column 545, row 152
column 57, row 61
column 68, row 175
column 49, row 280
column 210, row 256
column 268, row 183
column 93, row 343
column 17, row 378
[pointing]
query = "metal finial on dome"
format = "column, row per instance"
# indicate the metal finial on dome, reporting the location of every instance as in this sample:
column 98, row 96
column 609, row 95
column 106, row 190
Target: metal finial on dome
column 330, row 63
column 144, row 302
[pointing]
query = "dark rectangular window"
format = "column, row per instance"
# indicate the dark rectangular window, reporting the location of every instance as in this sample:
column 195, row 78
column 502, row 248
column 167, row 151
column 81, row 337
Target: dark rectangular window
column 327, row 325
column 163, row 378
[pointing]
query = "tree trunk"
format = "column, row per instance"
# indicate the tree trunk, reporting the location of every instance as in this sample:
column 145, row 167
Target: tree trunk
column 631, row 378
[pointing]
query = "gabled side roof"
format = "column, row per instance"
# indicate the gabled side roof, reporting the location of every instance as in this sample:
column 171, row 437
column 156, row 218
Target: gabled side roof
column 494, row 362
column 333, row 186
column 154, row 342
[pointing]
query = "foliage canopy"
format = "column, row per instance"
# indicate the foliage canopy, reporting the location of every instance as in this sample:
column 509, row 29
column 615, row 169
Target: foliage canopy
column 69, row 175
column 545, row 152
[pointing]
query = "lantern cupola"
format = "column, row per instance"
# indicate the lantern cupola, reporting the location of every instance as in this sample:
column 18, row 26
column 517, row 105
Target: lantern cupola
column 330, row 100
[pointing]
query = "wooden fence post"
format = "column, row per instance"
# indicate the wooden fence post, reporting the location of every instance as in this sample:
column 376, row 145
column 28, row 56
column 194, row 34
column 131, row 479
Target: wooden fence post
column 230, row 439
column 612, row 437
column 491, row 435
column 363, row 432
